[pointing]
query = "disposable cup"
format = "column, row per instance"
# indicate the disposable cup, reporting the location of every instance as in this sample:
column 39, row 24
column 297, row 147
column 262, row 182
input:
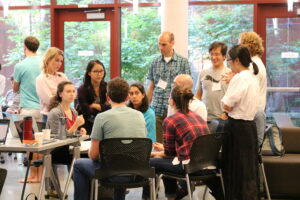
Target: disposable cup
column 39, row 137
column 47, row 133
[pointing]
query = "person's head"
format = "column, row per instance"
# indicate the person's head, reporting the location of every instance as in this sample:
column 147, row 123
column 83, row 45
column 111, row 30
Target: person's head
column 166, row 42
column 65, row 93
column 253, row 42
column 138, row 98
column 239, row 58
column 52, row 60
column 95, row 72
column 117, row 90
column 217, row 52
column 180, row 99
column 12, row 79
column 31, row 43
column 183, row 80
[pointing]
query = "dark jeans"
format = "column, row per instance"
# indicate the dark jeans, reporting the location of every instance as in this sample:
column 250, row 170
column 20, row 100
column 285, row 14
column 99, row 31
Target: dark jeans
column 84, row 171
column 164, row 165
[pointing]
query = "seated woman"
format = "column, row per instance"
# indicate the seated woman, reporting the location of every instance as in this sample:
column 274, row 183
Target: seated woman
column 139, row 101
column 179, row 132
column 92, row 94
column 47, row 81
column 60, row 107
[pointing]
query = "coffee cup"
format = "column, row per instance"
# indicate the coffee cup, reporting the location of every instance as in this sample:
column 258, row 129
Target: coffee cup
column 47, row 133
column 39, row 137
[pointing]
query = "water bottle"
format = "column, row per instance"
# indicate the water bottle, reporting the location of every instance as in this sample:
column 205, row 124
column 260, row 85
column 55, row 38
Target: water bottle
column 27, row 128
column 62, row 134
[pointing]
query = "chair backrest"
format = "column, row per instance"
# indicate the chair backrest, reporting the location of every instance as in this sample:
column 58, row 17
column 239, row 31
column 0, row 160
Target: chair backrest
column 125, row 155
column 204, row 152
column 3, row 173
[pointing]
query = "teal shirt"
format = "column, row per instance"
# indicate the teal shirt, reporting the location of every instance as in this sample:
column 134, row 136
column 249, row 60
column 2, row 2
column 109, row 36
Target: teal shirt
column 150, row 119
column 119, row 122
column 25, row 73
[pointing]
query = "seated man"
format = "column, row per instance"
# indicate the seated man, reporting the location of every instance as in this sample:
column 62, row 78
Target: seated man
column 195, row 105
column 120, row 121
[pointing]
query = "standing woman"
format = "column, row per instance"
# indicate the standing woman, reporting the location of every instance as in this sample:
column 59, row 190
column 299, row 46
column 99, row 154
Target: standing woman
column 139, row 101
column 47, row 81
column 92, row 94
column 239, row 151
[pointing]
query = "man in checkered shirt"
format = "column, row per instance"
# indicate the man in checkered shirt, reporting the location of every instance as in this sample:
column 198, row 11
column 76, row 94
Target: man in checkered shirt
column 161, row 74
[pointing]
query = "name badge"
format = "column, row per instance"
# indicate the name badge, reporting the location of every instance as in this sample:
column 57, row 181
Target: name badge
column 162, row 84
column 216, row 86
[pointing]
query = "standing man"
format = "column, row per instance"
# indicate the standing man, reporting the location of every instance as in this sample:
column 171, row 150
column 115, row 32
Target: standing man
column 210, row 87
column 161, row 74
column 25, row 73
column 119, row 121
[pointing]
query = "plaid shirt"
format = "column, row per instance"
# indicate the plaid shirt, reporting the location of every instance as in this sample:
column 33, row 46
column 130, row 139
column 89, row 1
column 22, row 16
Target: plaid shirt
column 180, row 131
column 167, row 72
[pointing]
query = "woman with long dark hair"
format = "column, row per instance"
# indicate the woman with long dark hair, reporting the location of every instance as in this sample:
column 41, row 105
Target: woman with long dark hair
column 92, row 94
column 139, row 101
column 239, row 150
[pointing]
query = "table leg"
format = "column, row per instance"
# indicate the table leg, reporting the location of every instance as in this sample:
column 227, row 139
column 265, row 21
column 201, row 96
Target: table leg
column 76, row 155
column 27, row 172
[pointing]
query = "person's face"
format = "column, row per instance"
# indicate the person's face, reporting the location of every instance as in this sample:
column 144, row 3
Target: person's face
column 136, row 96
column 55, row 63
column 233, row 65
column 97, row 73
column 165, row 46
column 68, row 94
column 216, row 57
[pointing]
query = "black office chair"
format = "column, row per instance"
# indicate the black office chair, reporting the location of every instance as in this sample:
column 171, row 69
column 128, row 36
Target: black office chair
column 125, row 157
column 204, row 155
column 3, row 173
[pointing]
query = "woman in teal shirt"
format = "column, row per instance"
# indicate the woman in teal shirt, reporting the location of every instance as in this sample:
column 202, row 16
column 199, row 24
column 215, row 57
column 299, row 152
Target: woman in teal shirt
column 139, row 101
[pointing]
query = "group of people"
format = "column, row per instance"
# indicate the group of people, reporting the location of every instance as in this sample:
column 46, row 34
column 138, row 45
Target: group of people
column 168, row 112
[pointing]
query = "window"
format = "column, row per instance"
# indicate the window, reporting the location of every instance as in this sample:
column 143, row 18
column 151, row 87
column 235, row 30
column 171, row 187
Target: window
column 83, row 2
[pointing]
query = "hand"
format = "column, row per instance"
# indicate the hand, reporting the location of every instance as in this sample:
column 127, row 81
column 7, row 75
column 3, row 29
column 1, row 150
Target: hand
column 158, row 146
column 82, row 131
column 228, row 76
column 79, row 120
column 96, row 106
column 157, row 154
column 223, row 116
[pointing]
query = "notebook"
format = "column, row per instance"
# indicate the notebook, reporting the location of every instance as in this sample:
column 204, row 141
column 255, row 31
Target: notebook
column 4, row 127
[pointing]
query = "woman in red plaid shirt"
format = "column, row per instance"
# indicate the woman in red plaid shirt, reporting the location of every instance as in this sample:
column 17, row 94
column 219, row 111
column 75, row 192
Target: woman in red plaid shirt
column 179, row 132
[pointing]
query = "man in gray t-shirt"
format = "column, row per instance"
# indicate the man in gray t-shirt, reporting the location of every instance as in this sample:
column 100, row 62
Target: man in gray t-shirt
column 210, row 87
column 120, row 121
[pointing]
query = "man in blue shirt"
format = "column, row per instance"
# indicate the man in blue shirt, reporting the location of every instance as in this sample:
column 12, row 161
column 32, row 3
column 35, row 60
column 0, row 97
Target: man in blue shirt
column 161, row 74
column 25, row 73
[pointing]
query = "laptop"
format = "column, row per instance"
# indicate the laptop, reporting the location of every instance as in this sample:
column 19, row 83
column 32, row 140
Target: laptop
column 283, row 120
column 4, row 127
column 16, row 121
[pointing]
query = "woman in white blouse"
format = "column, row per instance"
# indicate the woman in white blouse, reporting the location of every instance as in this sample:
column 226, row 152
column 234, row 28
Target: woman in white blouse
column 47, row 81
column 239, row 151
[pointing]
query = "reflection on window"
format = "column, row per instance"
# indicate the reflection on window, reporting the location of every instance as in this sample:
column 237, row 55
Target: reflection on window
column 139, row 42
column 283, row 65
column 25, row 2
column 209, row 23
column 83, row 2
column 85, row 41
column 217, row 0
column 141, row 1
column 14, row 28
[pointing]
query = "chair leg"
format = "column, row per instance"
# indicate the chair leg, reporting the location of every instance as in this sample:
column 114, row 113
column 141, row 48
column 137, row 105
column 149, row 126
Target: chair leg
column 96, row 189
column 158, row 179
column 204, row 192
column 152, row 189
column 265, row 180
column 189, row 186
column 92, row 189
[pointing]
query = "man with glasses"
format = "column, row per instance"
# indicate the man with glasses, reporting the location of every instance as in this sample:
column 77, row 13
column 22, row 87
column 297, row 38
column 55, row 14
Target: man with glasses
column 210, row 87
column 161, row 74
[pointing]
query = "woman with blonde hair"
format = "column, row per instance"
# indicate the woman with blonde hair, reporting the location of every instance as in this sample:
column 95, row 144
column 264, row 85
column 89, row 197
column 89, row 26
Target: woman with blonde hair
column 47, row 81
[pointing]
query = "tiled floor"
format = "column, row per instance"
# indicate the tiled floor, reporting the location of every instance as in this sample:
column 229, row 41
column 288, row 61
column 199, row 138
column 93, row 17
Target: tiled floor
column 12, row 189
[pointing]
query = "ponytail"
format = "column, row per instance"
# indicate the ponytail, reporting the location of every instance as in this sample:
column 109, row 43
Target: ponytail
column 182, row 97
column 255, row 68
column 54, row 102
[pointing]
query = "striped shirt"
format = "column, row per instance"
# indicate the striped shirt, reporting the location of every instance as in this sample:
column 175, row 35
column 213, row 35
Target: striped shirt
column 179, row 132
column 161, row 70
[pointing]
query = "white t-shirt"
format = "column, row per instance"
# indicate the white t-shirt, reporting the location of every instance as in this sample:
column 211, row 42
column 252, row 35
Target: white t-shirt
column 242, row 95
column 2, row 84
column 262, row 81
column 195, row 106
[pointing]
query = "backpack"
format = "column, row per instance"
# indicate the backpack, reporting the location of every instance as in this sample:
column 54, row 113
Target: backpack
column 272, row 145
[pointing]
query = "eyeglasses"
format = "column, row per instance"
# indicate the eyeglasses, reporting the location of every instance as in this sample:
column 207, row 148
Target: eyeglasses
column 98, row 72
column 228, row 59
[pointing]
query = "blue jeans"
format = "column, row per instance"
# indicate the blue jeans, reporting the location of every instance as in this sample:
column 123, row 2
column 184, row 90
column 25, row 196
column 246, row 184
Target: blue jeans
column 84, row 171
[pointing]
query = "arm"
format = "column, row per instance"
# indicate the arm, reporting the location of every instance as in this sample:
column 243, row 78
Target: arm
column 16, row 86
column 79, row 122
column 86, row 108
column 150, row 91
column 94, row 150
column 199, row 94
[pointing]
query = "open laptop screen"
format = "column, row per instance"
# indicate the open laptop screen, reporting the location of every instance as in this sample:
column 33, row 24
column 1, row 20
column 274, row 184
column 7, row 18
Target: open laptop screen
column 4, row 127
